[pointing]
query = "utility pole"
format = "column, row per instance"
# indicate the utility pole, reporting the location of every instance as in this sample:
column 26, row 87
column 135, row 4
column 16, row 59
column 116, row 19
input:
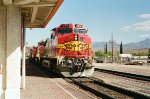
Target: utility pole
column 112, row 41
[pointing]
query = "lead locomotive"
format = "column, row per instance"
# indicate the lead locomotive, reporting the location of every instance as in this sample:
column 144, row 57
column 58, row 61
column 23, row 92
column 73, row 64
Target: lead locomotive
column 68, row 51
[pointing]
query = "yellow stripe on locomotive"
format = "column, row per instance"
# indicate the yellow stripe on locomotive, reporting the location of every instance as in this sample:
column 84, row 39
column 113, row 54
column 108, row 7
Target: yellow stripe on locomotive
column 74, row 46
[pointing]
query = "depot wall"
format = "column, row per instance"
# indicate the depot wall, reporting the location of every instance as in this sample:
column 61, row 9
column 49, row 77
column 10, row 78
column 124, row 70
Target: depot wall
column 10, row 28
column 3, row 31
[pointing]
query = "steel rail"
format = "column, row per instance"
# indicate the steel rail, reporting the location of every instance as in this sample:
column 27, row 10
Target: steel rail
column 129, row 75
column 89, row 89
column 130, row 93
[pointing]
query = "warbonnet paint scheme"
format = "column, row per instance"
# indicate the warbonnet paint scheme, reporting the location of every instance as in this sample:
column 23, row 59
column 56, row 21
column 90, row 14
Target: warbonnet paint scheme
column 68, row 51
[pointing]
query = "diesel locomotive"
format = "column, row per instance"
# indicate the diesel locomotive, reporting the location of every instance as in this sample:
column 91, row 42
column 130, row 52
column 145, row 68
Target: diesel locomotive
column 68, row 51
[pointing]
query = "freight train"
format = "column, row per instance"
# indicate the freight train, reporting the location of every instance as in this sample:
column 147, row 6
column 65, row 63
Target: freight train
column 68, row 51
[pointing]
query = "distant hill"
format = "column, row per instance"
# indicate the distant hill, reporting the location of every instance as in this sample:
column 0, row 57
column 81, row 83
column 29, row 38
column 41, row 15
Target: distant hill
column 137, row 45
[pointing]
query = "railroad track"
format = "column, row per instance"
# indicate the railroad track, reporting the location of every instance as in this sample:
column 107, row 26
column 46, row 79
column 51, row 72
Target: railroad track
column 129, row 75
column 105, row 91
column 108, row 93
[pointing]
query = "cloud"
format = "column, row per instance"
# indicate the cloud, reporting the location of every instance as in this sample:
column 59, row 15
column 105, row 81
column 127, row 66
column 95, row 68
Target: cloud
column 143, row 26
column 126, row 28
column 144, row 35
column 144, row 16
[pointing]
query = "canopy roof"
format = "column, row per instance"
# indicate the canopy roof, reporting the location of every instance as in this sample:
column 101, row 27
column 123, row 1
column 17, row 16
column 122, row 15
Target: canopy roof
column 38, row 12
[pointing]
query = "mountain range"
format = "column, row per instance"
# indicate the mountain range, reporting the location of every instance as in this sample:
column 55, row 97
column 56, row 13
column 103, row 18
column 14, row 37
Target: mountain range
column 130, row 46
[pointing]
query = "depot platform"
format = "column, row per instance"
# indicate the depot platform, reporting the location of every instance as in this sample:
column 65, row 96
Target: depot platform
column 39, row 86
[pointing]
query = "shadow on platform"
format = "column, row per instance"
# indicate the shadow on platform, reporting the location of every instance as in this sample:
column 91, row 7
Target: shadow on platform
column 33, row 69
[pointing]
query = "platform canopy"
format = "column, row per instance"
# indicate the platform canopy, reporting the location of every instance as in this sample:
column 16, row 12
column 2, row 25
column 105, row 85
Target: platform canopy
column 38, row 12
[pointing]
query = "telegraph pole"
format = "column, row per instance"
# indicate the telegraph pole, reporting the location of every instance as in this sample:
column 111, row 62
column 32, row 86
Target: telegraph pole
column 112, row 41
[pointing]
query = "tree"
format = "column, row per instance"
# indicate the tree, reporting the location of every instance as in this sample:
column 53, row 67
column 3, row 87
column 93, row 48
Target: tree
column 106, row 48
column 99, row 53
column 121, row 48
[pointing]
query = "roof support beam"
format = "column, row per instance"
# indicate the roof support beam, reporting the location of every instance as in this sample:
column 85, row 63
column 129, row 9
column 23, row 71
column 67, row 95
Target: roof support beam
column 7, row 2
column 34, row 13
column 35, row 23
column 39, row 5
column 37, row 20
column 34, row 26
column 21, row 2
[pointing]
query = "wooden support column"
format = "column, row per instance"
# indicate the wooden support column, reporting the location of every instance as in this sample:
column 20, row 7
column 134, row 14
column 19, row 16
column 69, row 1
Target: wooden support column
column 23, row 53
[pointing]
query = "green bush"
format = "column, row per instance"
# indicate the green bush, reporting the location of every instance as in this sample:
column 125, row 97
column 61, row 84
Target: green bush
column 100, row 53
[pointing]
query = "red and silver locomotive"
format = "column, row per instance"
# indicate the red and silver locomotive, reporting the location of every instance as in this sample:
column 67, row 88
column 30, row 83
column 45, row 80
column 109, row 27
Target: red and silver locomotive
column 67, row 51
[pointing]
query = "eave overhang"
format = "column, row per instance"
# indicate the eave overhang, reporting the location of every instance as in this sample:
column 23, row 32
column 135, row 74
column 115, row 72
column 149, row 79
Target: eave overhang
column 37, row 13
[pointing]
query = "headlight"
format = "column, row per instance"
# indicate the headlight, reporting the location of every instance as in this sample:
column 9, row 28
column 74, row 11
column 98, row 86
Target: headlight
column 76, row 37
column 69, row 61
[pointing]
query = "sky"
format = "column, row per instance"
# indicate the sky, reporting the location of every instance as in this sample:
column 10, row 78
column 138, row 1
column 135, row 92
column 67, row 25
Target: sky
column 127, row 20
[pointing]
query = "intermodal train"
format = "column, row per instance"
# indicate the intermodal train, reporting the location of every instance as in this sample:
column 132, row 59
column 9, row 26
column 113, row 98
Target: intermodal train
column 68, row 51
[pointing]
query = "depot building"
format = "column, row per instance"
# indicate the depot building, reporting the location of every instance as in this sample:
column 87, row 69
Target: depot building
column 15, row 16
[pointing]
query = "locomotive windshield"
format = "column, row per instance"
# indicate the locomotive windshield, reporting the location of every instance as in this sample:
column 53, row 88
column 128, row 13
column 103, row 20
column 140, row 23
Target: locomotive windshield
column 64, row 30
column 82, row 31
